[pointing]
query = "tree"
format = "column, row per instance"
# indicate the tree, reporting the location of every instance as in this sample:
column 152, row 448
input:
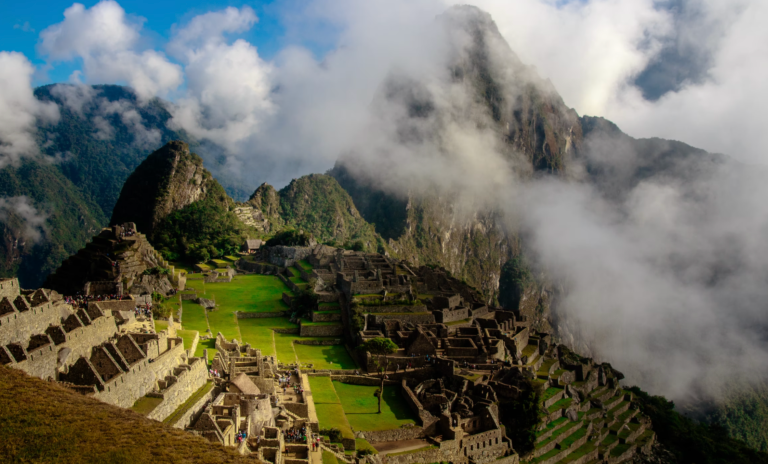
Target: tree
column 381, row 347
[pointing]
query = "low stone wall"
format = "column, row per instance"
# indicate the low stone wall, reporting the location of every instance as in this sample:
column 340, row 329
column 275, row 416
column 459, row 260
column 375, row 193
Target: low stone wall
column 188, row 296
column 287, row 330
column 362, row 380
column 445, row 315
column 322, row 330
column 382, row 309
column 335, row 341
column 318, row 316
column 195, row 341
column 193, row 413
column 325, row 297
column 186, row 385
column 258, row 268
column 300, row 409
column 403, row 433
column 252, row 315
column 430, row 455
column 266, row 385
column 426, row 318
column 115, row 305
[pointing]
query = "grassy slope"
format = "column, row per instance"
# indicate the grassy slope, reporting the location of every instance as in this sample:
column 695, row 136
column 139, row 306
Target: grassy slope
column 42, row 422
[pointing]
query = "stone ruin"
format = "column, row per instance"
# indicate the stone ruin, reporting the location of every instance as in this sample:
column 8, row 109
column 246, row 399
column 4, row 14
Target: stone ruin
column 90, row 350
column 113, row 262
column 467, row 358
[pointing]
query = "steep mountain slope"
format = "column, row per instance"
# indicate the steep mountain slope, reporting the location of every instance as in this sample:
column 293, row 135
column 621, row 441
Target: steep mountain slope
column 167, row 180
column 66, row 220
column 317, row 204
column 181, row 208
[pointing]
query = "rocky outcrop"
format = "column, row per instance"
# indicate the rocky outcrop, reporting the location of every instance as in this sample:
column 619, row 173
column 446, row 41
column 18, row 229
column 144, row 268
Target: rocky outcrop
column 168, row 180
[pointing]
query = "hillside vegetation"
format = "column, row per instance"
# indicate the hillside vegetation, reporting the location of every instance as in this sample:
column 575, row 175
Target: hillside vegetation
column 43, row 422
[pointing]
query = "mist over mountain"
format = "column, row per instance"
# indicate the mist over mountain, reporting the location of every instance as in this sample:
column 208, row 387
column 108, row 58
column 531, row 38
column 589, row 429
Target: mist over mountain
column 647, row 251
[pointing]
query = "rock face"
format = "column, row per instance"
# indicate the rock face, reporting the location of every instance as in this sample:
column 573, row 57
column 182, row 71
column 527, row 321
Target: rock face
column 168, row 180
column 533, row 130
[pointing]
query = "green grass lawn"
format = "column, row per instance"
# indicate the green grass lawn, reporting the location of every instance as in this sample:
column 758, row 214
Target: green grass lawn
column 297, row 280
column 332, row 416
column 258, row 332
column 194, row 317
column 325, row 356
column 284, row 346
column 329, row 458
column 361, row 444
column 248, row 293
column 360, row 405
column 187, row 336
column 323, row 391
column 225, row 322
column 209, row 345
column 160, row 325
column 294, row 272
column 328, row 306
column 232, row 258
column 305, row 265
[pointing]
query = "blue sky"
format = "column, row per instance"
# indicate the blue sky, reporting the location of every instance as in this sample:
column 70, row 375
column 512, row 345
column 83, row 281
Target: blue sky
column 21, row 23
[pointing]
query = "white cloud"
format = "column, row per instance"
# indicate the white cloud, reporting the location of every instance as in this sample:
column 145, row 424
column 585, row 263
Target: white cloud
column 107, row 42
column 20, row 111
column 228, row 85
column 21, row 207
column 726, row 112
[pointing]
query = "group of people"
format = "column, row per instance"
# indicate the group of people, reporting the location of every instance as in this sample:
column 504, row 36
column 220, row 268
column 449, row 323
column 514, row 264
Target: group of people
column 241, row 436
column 296, row 435
column 143, row 310
column 81, row 301
column 214, row 373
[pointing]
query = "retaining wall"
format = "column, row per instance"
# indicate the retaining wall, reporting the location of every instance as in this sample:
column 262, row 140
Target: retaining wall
column 322, row 330
column 187, row 383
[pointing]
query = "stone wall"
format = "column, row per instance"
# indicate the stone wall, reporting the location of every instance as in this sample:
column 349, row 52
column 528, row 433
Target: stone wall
column 9, row 288
column 252, row 315
column 284, row 256
column 141, row 378
column 258, row 268
column 400, row 309
column 425, row 318
column 446, row 315
column 115, row 305
column 403, row 433
column 193, row 413
column 322, row 330
column 322, row 316
column 362, row 380
column 18, row 327
column 333, row 341
column 300, row 409
column 190, row 377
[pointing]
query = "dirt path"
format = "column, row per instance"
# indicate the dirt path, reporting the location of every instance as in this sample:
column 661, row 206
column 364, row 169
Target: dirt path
column 388, row 447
